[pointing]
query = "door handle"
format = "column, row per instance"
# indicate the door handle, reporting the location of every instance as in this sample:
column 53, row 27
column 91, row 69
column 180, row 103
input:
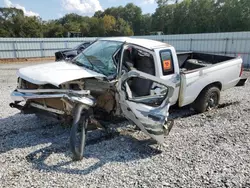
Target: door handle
column 178, row 77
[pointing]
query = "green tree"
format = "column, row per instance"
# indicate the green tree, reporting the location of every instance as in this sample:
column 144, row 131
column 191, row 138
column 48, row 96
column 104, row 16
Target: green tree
column 15, row 24
column 171, row 17
column 123, row 28
column 146, row 24
column 85, row 28
column 130, row 13
column 109, row 23
column 12, row 21
column 163, row 19
column 54, row 29
column 96, row 27
column 99, row 14
column 201, row 16
column 33, row 27
column 166, row 2
column 133, row 15
column 233, row 15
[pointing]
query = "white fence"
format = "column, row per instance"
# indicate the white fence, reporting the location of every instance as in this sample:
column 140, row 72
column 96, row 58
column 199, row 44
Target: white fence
column 233, row 44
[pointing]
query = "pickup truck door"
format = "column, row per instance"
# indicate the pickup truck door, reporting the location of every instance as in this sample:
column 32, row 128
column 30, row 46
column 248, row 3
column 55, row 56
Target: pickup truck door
column 148, row 112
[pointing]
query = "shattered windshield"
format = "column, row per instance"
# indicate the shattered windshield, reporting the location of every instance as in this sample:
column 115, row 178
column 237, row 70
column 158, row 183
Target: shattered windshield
column 98, row 57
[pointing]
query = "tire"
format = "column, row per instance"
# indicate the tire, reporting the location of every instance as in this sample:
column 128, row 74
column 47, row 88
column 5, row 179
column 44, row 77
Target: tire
column 208, row 99
column 78, row 138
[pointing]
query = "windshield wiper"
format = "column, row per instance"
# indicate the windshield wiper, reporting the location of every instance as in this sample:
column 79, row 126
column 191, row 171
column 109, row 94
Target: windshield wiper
column 93, row 65
column 76, row 62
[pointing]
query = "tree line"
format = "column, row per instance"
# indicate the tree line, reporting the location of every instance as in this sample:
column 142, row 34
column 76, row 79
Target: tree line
column 170, row 17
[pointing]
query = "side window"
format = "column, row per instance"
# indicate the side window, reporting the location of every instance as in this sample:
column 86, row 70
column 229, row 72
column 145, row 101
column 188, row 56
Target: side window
column 167, row 62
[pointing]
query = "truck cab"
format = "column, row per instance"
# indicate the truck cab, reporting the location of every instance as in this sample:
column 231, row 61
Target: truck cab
column 192, row 74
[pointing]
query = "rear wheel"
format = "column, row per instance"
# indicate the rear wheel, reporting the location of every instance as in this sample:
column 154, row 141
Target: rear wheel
column 208, row 99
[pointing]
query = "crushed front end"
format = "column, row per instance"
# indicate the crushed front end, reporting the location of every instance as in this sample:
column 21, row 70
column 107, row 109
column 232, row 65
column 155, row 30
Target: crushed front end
column 81, row 102
column 58, row 102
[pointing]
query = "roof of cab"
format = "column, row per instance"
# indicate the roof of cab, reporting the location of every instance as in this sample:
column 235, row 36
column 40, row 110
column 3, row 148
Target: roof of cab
column 147, row 43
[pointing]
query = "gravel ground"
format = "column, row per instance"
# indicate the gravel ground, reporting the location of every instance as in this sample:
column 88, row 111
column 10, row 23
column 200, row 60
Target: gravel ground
column 204, row 150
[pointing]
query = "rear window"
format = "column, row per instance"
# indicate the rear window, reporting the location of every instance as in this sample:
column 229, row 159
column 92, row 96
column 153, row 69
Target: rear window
column 167, row 62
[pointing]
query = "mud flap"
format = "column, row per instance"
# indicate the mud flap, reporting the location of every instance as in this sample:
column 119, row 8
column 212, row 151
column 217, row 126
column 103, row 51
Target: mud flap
column 242, row 82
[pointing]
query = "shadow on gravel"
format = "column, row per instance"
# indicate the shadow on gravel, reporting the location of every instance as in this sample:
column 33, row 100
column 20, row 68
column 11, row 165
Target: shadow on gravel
column 224, row 105
column 117, row 147
column 21, row 131
column 130, row 149
column 28, row 132
column 186, row 111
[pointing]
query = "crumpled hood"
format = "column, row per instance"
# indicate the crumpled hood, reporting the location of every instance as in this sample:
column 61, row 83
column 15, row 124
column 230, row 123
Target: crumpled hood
column 55, row 73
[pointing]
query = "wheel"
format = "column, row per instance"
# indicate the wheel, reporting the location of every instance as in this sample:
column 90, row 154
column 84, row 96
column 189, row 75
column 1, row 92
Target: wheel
column 208, row 99
column 78, row 138
column 78, row 132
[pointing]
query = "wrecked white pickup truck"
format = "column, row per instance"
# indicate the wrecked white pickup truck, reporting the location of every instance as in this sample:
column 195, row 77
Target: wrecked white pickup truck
column 138, row 79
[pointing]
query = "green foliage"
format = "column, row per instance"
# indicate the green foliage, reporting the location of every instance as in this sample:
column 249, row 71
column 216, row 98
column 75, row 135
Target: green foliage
column 32, row 27
column 130, row 13
column 53, row 29
column 109, row 23
column 123, row 28
column 201, row 16
column 15, row 24
column 171, row 17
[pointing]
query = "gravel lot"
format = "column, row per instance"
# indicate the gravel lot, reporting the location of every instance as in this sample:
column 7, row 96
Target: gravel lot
column 204, row 150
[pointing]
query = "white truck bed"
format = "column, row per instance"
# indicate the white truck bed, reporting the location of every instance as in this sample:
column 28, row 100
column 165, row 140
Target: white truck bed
column 225, row 74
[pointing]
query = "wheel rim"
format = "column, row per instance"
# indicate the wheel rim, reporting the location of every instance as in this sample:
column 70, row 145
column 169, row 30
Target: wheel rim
column 212, row 101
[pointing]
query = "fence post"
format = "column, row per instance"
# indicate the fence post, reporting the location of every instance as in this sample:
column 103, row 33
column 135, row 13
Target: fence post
column 227, row 39
column 191, row 44
column 248, row 62
column 66, row 44
column 42, row 49
column 14, row 49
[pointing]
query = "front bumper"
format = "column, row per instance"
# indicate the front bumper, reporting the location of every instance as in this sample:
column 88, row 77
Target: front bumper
column 18, row 96
column 78, row 97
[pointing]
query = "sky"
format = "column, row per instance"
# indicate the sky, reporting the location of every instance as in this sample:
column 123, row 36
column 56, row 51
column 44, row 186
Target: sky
column 54, row 9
